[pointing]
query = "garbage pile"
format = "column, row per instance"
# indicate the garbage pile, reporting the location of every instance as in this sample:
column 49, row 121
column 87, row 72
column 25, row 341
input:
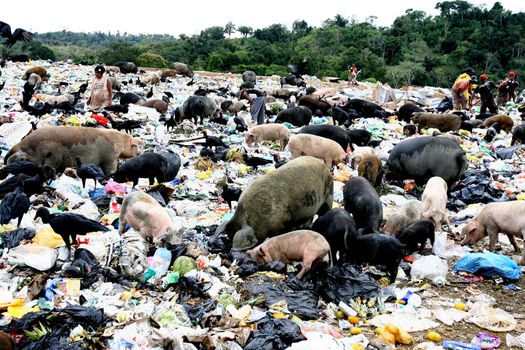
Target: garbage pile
column 120, row 284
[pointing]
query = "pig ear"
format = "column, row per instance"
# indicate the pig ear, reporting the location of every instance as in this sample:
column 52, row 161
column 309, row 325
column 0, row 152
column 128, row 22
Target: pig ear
column 474, row 224
column 263, row 252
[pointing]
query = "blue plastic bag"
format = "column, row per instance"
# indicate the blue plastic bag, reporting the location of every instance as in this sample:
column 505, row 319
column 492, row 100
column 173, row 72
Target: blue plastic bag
column 489, row 265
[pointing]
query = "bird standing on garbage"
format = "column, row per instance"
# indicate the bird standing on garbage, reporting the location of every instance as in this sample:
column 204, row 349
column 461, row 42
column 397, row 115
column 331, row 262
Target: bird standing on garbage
column 213, row 141
column 32, row 185
column 89, row 171
column 11, row 38
column 230, row 194
column 254, row 162
column 15, row 204
column 21, row 167
column 69, row 225
column 240, row 125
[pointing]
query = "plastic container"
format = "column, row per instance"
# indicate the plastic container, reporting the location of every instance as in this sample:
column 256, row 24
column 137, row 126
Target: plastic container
column 439, row 281
column 159, row 262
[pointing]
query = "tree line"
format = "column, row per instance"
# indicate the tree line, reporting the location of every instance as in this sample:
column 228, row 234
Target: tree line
column 417, row 49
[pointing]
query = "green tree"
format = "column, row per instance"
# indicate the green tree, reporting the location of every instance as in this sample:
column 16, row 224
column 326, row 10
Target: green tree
column 150, row 59
column 229, row 28
column 245, row 30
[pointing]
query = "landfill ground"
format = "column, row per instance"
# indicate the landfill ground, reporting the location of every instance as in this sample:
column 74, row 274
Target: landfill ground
column 109, row 296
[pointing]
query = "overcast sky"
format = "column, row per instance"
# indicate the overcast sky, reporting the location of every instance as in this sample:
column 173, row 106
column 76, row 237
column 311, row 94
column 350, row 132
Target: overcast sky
column 190, row 17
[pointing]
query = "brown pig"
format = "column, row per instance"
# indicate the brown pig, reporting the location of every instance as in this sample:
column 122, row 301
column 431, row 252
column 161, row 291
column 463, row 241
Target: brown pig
column 41, row 71
column 443, row 122
column 144, row 214
column 159, row 105
column 319, row 147
column 410, row 211
column 504, row 217
column 371, row 168
column 59, row 145
column 268, row 132
column 506, row 122
column 302, row 245
column 434, row 200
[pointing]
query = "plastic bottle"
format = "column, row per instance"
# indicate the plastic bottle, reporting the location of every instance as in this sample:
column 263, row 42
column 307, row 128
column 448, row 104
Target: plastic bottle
column 162, row 260
column 439, row 281
column 159, row 263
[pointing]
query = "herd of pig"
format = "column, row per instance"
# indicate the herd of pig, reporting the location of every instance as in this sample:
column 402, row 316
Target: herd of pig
column 288, row 214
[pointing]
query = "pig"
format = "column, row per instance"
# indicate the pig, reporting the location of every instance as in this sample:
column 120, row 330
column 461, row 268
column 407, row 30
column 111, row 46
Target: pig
column 115, row 84
column 409, row 212
column 229, row 106
column 159, row 105
column 167, row 73
column 340, row 116
column 361, row 200
column 268, row 132
column 358, row 154
column 148, row 165
column 58, row 146
column 416, row 233
column 292, row 80
column 41, row 71
column 54, row 100
column 335, row 226
column 112, row 69
column 249, row 77
column 301, row 245
column 126, row 67
column 506, row 122
column 359, row 137
column 366, row 109
column 377, row 249
column 144, row 214
column 151, row 79
column 314, row 104
column 297, row 116
column 504, row 217
column 409, row 130
column 332, row 132
column 130, row 97
column 316, row 146
column 442, row 122
column 371, row 168
column 421, row 158
column 518, row 135
column 434, row 201
column 282, row 93
column 195, row 107
column 173, row 164
column 406, row 111
column 182, row 69
column 263, row 211
column 18, row 57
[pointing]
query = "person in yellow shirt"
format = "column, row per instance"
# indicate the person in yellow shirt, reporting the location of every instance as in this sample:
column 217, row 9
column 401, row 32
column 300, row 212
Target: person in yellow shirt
column 461, row 89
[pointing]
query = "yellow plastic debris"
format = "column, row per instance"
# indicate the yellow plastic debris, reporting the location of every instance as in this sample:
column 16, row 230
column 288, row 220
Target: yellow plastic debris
column 46, row 237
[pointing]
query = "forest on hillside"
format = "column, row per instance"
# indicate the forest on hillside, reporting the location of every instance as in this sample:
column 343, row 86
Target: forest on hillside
column 416, row 49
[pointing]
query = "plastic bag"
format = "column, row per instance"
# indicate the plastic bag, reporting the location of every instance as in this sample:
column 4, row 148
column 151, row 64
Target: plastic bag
column 429, row 267
column 446, row 248
column 518, row 341
column 493, row 319
column 343, row 283
column 489, row 265
column 35, row 256
column 46, row 237
column 300, row 296
column 273, row 333
column 13, row 238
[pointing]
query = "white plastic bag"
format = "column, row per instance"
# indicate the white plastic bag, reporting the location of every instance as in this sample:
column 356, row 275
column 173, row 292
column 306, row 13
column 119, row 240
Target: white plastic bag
column 493, row 319
column 429, row 267
column 446, row 248
column 518, row 341
column 35, row 256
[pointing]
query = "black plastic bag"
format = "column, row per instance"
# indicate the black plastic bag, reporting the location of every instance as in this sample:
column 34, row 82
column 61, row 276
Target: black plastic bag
column 220, row 244
column 248, row 267
column 196, row 313
column 474, row 187
column 84, row 266
column 343, row 283
column 13, row 238
column 300, row 296
column 274, row 333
